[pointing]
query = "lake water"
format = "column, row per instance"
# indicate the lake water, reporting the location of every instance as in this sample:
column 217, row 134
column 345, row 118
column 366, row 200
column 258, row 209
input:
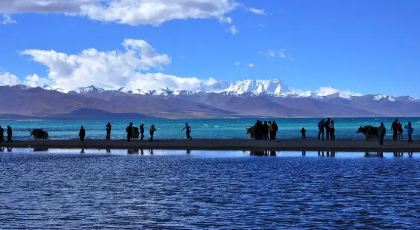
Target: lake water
column 207, row 189
column 201, row 128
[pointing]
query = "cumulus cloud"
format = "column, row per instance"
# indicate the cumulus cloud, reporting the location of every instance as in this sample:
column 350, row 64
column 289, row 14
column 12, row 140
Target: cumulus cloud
column 237, row 63
column 233, row 30
column 251, row 65
column 257, row 11
column 271, row 53
column 131, row 12
column 8, row 79
column 107, row 69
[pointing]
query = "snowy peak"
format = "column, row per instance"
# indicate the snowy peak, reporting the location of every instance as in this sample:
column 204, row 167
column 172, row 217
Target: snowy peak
column 257, row 87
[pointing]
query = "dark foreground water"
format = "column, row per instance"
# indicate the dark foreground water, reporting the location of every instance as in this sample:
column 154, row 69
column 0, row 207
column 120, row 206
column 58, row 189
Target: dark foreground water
column 204, row 190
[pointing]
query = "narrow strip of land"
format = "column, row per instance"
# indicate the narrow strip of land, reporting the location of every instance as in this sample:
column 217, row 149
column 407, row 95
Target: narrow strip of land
column 232, row 144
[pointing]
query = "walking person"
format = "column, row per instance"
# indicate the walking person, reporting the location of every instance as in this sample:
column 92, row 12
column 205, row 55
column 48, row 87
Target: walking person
column 303, row 132
column 187, row 129
column 1, row 134
column 108, row 131
column 381, row 133
column 332, row 130
column 321, row 129
column 152, row 132
column 129, row 131
column 394, row 129
column 9, row 134
column 142, row 131
column 82, row 134
column 410, row 131
column 274, row 129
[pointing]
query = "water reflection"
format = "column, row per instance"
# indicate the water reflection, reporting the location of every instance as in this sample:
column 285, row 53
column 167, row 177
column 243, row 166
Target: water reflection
column 133, row 151
column 374, row 154
column 326, row 153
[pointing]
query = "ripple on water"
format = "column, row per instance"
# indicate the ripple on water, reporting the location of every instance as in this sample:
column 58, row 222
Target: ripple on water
column 186, row 191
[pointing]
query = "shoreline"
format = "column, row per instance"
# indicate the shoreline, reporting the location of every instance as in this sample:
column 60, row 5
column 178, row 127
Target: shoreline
column 225, row 144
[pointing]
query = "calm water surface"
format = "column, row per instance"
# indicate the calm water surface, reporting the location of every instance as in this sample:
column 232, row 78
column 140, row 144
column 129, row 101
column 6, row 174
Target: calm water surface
column 207, row 189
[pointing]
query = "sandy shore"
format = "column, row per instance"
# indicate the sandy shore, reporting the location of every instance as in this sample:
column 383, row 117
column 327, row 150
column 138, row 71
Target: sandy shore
column 209, row 144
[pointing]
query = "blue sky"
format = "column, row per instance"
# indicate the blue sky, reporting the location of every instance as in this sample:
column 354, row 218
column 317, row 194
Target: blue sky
column 362, row 46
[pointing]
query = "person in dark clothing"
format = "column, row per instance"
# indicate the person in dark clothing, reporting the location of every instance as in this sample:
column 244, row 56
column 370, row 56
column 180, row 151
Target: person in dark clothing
column 303, row 132
column 152, row 132
column 394, row 129
column 274, row 129
column 9, row 134
column 142, row 131
column 332, row 130
column 381, row 133
column 410, row 131
column 400, row 132
column 321, row 129
column 187, row 129
column 265, row 130
column 82, row 134
column 108, row 131
column 1, row 134
column 258, row 130
column 129, row 131
column 327, row 128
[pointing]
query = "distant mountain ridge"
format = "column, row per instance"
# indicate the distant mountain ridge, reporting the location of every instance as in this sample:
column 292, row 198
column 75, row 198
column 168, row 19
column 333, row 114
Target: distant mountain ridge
column 250, row 98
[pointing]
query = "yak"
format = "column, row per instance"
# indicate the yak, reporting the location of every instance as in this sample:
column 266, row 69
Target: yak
column 251, row 132
column 369, row 131
column 39, row 134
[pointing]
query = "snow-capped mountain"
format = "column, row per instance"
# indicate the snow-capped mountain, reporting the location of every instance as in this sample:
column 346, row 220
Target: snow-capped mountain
column 250, row 98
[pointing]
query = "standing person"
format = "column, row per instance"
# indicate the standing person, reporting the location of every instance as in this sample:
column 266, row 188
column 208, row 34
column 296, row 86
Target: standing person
column 399, row 131
column 187, row 131
column 82, row 134
column 108, row 131
column 152, row 132
column 9, row 134
column 142, row 131
column 394, row 129
column 381, row 133
column 332, row 130
column 1, row 134
column 327, row 128
column 303, row 132
column 274, row 129
column 265, row 130
column 410, row 131
column 321, row 129
column 270, row 130
column 129, row 131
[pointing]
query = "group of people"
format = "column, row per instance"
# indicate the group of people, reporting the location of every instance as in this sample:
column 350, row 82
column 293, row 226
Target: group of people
column 325, row 127
column 131, row 131
column 265, row 131
column 9, row 134
column 397, row 131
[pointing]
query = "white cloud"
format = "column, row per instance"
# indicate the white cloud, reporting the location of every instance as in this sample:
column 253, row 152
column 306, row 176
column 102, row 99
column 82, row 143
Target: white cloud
column 271, row 53
column 237, row 63
column 282, row 53
column 9, row 79
column 131, row 12
column 261, row 25
column 257, row 11
column 233, row 30
column 108, row 69
column 7, row 20
column 251, row 65
column 226, row 20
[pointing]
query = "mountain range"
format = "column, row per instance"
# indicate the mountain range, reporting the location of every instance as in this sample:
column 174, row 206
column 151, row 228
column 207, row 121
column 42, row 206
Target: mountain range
column 249, row 98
